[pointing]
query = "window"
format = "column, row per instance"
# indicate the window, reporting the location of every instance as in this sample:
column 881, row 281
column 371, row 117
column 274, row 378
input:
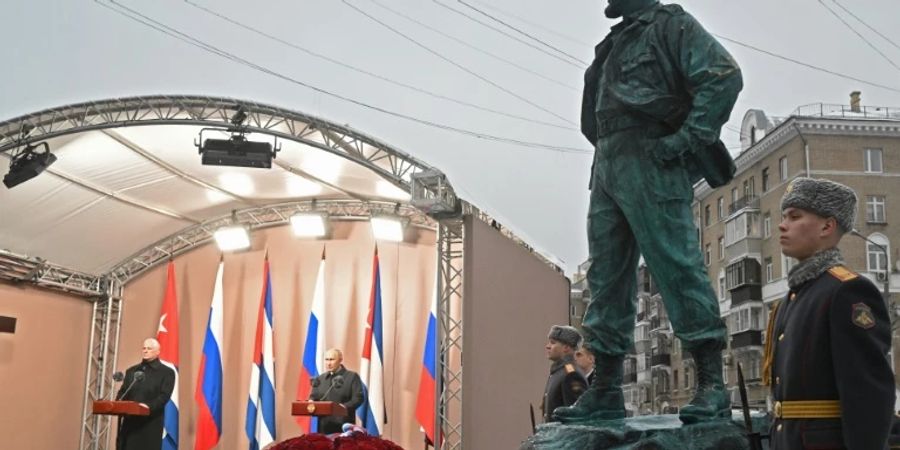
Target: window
column 767, row 225
column 783, row 168
column 720, row 207
column 734, row 195
column 786, row 263
column 675, row 378
column 875, row 209
column 876, row 259
column 743, row 272
column 873, row 160
column 706, row 254
column 722, row 288
column 706, row 215
column 721, row 247
column 742, row 226
column 765, row 179
column 749, row 187
column 770, row 271
column 746, row 319
column 687, row 377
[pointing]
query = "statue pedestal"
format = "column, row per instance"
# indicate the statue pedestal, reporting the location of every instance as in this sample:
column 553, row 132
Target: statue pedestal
column 660, row 432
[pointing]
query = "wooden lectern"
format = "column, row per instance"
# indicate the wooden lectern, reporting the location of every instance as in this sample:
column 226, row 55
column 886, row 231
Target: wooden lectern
column 119, row 408
column 311, row 408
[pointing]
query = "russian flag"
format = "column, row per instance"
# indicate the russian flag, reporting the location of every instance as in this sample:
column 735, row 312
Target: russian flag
column 167, row 335
column 209, row 385
column 425, row 404
column 260, row 424
column 314, row 349
column 372, row 412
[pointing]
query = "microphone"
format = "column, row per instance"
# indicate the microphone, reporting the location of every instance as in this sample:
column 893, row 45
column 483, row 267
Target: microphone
column 138, row 376
column 336, row 382
column 118, row 376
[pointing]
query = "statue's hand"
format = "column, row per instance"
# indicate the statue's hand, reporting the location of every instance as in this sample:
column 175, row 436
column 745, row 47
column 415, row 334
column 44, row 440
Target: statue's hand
column 670, row 148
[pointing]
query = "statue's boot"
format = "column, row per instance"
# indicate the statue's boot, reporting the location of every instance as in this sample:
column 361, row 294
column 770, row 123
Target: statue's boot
column 711, row 400
column 603, row 400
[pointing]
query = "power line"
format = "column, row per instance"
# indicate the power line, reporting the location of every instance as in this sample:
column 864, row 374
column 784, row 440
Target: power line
column 869, row 43
column 810, row 66
column 184, row 37
column 475, row 48
column 454, row 63
column 579, row 64
column 866, row 24
column 501, row 22
column 536, row 25
column 371, row 74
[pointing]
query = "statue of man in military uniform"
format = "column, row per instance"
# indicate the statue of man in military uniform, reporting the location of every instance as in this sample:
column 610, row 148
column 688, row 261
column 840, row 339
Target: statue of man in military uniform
column 827, row 341
column 565, row 383
column 655, row 99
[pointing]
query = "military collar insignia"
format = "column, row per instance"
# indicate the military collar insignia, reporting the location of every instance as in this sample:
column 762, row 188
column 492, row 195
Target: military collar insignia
column 812, row 267
column 862, row 316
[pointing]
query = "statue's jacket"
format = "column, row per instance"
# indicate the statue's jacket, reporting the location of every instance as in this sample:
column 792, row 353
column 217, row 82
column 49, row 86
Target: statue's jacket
column 828, row 344
column 662, row 67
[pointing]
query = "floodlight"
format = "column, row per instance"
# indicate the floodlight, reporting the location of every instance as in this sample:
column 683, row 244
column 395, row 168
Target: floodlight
column 387, row 228
column 308, row 224
column 232, row 237
column 236, row 151
column 27, row 164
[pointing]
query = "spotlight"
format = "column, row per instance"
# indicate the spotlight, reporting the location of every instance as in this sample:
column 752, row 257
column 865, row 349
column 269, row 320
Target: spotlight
column 232, row 237
column 28, row 164
column 387, row 228
column 308, row 224
column 236, row 151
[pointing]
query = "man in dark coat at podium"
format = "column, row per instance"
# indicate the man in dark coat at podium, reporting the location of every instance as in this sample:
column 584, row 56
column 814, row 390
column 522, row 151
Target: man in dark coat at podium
column 339, row 385
column 149, row 383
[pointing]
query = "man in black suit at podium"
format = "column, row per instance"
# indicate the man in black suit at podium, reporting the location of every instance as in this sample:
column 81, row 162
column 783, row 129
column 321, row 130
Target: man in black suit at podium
column 149, row 383
column 337, row 384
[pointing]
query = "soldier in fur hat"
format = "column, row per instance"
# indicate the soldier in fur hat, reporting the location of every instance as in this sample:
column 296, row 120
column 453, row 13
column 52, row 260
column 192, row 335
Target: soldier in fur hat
column 827, row 341
column 566, row 382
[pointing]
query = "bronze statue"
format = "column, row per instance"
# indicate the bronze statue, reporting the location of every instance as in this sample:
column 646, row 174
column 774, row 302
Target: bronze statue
column 655, row 99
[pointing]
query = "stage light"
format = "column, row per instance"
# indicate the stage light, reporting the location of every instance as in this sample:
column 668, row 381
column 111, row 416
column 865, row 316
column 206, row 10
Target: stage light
column 236, row 151
column 387, row 228
column 232, row 237
column 309, row 224
column 27, row 164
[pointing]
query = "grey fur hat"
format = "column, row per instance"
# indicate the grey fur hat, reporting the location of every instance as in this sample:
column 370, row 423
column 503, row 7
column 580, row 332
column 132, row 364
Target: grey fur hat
column 824, row 198
column 565, row 334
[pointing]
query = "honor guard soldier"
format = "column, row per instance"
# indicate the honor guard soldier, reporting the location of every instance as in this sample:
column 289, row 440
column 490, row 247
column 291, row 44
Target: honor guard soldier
column 566, row 382
column 827, row 341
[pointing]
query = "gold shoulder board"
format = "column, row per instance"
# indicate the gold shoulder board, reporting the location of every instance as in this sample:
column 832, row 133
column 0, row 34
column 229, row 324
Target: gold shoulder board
column 842, row 273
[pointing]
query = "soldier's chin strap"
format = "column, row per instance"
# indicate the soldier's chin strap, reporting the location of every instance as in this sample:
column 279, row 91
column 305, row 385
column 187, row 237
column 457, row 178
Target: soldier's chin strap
column 770, row 348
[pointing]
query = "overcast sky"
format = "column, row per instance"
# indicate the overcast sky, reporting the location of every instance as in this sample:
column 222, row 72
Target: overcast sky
column 66, row 51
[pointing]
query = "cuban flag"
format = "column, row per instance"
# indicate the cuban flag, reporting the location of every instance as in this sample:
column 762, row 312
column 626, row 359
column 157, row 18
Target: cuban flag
column 209, row 385
column 260, row 424
column 372, row 412
column 167, row 335
column 425, row 404
column 314, row 349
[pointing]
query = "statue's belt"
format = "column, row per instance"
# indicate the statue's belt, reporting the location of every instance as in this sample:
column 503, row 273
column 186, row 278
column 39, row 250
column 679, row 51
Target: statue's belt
column 808, row 409
column 624, row 121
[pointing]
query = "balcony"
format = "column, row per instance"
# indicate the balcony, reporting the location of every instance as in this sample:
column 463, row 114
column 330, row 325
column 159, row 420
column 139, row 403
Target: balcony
column 642, row 346
column 746, row 339
column 747, row 201
column 629, row 378
column 662, row 359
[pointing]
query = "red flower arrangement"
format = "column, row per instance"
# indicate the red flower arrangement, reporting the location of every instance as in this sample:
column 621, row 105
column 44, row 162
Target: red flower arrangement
column 355, row 441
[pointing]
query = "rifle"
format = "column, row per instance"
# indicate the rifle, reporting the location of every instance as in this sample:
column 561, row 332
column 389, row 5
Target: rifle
column 754, row 437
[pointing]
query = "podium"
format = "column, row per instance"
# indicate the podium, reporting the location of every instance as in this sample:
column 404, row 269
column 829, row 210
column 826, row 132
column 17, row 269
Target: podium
column 319, row 409
column 119, row 408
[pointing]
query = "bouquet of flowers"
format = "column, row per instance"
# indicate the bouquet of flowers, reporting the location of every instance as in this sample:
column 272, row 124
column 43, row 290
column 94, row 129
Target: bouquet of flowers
column 353, row 438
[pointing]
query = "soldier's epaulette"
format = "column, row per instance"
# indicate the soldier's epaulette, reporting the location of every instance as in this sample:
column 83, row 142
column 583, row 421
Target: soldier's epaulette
column 570, row 368
column 842, row 273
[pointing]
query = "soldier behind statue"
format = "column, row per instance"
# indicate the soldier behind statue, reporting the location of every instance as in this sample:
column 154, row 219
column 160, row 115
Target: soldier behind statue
column 827, row 341
column 565, row 383
column 655, row 98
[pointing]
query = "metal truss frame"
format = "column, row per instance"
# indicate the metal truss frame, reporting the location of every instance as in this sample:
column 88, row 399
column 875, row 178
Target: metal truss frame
column 106, row 322
column 217, row 112
column 20, row 268
column 448, row 414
